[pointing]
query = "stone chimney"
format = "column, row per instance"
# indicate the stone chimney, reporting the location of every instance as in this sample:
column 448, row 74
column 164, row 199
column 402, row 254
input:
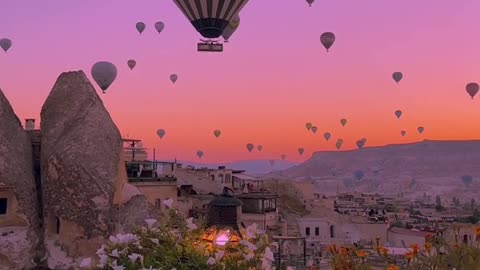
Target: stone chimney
column 29, row 124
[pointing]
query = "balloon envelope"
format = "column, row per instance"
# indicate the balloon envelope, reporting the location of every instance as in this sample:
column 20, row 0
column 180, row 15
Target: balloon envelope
column 310, row 2
column 343, row 121
column 173, row 78
column 397, row 76
column 161, row 133
column 104, row 74
column 231, row 28
column 140, row 27
column 420, row 129
column 250, row 147
column 308, row 126
column 398, row 113
column 327, row 135
column 301, row 150
column 339, row 143
column 360, row 143
column 199, row 153
column 6, row 44
column 472, row 89
column 217, row 133
column 314, row 129
column 259, row 147
column 131, row 63
column 327, row 39
column 159, row 26
column 403, row 132
column 283, row 157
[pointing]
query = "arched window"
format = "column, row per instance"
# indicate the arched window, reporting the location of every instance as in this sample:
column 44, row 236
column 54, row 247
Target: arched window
column 212, row 177
column 221, row 178
column 465, row 239
column 332, row 231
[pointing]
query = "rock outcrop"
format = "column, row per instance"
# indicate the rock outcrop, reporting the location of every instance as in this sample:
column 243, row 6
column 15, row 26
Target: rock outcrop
column 20, row 234
column 80, row 162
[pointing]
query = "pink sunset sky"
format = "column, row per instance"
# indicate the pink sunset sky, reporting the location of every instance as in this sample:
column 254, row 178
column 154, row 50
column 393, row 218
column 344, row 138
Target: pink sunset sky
column 272, row 78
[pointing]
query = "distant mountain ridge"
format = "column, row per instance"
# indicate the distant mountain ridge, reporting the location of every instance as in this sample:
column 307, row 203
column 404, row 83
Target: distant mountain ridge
column 427, row 166
column 254, row 167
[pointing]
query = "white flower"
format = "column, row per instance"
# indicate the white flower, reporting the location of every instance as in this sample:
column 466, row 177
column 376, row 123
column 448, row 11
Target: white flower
column 123, row 238
column 113, row 239
column 251, row 231
column 117, row 267
column 134, row 257
column 211, row 261
column 248, row 244
column 266, row 264
column 289, row 268
column 249, row 256
column 155, row 241
column 150, row 222
column 115, row 253
column 219, row 255
column 168, row 203
column 103, row 260
column 190, row 224
column 268, row 254
column 101, row 250
column 86, row 263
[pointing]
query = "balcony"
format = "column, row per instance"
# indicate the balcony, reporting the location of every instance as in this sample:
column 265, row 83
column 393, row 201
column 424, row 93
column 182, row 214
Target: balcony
column 150, row 172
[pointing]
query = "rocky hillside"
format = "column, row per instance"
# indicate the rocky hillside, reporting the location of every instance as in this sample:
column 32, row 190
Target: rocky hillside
column 432, row 167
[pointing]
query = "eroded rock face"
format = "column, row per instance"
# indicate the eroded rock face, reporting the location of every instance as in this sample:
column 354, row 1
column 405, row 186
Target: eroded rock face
column 80, row 161
column 17, row 184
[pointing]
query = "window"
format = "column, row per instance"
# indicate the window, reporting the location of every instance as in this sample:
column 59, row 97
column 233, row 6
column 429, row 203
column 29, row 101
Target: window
column 332, row 231
column 317, row 231
column 221, row 178
column 307, row 231
column 227, row 178
column 212, row 177
column 158, row 203
column 3, row 206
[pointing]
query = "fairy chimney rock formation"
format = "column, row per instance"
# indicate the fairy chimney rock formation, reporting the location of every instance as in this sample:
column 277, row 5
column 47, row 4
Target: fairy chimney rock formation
column 20, row 233
column 80, row 163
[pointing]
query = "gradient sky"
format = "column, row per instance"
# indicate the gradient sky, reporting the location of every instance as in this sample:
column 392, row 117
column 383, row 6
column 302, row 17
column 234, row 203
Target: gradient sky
column 272, row 78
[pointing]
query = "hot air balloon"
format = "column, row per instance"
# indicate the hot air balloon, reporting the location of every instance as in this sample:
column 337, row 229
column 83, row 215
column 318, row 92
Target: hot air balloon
column 343, row 122
column 397, row 76
column 173, row 78
column 472, row 89
column 398, row 113
column 159, row 26
column 339, row 143
column 250, row 147
column 308, row 126
column 360, row 143
column 6, row 44
column 359, row 174
column 210, row 18
column 403, row 133
column 301, row 150
column 104, row 74
column 420, row 129
column 314, row 129
column 327, row 39
column 217, row 133
column 272, row 162
column 259, row 147
column 140, row 27
column 231, row 28
column 283, row 156
column 327, row 135
column 161, row 133
column 199, row 153
column 310, row 2
column 131, row 63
